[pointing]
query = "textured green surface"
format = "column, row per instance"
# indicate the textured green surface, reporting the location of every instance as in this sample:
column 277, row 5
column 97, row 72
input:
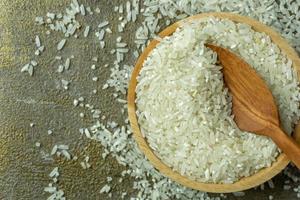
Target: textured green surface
column 24, row 99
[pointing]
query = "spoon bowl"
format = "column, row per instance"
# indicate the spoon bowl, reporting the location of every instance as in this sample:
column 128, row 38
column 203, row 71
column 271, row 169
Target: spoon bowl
column 256, row 179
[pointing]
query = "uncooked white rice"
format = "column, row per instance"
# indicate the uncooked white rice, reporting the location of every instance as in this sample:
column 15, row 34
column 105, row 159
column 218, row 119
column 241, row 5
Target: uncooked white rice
column 82, row 10
column 185, row 111
column 97, row 10
column 37, row 41
column 108, row 30
column 67, row 63
column 103, row 24
column 105, row 189
column 281, row 15
column 61, row 44
column 86, row 31
column 28, row 68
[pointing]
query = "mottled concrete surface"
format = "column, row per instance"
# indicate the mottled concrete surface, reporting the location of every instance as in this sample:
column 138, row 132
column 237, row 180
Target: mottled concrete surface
column 24, row 100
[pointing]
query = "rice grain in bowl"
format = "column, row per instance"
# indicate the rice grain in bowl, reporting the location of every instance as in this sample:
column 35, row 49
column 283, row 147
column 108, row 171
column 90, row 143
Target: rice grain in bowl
column 184, row 110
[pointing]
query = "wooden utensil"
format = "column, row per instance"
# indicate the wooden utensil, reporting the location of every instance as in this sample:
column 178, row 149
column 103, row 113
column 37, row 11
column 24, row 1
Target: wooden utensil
column 256, row 179
column 253, row 105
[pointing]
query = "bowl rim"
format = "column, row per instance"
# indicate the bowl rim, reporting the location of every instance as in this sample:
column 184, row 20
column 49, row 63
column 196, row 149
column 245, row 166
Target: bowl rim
column 256, row 179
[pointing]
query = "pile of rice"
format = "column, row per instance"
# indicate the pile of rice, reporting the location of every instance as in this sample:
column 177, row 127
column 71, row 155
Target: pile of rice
column 184, row 110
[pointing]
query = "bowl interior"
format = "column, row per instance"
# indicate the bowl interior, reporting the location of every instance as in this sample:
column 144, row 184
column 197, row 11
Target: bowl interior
column 245, row 183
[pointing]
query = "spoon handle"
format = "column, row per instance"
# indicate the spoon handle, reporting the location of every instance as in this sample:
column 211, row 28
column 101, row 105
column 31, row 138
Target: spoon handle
column 287, row 144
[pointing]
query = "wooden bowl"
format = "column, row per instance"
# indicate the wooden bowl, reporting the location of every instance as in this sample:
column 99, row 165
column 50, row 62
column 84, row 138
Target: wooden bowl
column 245, row 183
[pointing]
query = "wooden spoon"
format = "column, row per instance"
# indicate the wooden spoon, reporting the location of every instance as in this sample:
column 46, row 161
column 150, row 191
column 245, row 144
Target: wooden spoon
column 254, row 108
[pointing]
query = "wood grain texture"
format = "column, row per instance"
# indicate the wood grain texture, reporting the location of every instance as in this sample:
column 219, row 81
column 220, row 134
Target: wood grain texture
column 253, row 105
column 245, row 183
